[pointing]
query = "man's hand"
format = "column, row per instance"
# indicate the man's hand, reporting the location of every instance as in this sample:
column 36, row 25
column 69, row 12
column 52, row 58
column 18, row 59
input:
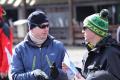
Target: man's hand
column 54, row 71
column 39, row 74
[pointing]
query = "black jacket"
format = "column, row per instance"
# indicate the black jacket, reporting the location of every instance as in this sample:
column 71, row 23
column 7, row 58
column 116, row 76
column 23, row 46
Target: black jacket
column 103, row 61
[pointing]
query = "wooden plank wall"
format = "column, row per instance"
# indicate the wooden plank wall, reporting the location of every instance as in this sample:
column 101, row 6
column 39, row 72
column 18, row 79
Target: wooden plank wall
column 62, row 34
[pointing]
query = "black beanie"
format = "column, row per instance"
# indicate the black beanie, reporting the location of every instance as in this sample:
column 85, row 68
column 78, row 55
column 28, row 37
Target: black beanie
column 36, row 18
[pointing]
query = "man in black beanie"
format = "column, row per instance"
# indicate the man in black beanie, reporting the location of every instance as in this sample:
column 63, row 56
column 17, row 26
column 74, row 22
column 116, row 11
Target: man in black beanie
column 37, row 18
column 39, row 56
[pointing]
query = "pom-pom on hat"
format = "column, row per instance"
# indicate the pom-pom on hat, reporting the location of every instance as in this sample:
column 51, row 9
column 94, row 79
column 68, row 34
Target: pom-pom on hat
column 36, row 18
column 98, row 23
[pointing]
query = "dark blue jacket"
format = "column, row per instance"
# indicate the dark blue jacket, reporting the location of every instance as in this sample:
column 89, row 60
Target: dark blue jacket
column 27, row 57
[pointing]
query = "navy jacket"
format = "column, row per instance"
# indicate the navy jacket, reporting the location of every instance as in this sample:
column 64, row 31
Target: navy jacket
column 27, row 57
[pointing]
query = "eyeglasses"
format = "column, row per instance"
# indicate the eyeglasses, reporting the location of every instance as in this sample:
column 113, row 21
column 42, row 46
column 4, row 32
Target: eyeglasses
column 84, row 28
column 43, row 26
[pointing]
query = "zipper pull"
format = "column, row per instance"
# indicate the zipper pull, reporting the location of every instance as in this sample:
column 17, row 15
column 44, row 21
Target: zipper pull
column 34, row 61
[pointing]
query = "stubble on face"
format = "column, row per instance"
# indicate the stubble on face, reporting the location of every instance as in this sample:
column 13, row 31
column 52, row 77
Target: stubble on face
column 40, row 33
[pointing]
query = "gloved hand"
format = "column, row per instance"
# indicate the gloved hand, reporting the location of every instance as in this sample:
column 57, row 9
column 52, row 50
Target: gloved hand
column 54, row 71
column 39, row 74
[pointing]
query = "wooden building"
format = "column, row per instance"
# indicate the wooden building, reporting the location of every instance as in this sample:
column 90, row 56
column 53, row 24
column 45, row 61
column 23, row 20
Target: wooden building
column 66, row 17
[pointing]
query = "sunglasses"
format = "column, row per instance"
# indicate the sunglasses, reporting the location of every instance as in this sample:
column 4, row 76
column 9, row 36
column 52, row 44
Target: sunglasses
column 43, row 26
column 84, row 28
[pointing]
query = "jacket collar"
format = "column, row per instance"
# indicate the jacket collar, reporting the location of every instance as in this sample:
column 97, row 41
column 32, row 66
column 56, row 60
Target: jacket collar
column 100, row 46
column 106, row 41
column 45, row 44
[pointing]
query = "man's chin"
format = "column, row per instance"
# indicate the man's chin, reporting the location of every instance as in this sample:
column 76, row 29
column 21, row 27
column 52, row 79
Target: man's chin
column 44, row 37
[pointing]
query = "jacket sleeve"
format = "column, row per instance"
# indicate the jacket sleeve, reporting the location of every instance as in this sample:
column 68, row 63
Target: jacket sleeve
column 114, row 62
column 100, row 75
column 4, row 56
column 62, row 75
column 17, row 68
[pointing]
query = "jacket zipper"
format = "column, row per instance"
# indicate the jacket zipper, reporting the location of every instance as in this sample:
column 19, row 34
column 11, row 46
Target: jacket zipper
column 41, row 57
column 34, row 61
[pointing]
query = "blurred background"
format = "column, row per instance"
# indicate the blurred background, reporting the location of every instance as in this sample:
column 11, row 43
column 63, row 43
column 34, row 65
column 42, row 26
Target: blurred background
column 66, row 17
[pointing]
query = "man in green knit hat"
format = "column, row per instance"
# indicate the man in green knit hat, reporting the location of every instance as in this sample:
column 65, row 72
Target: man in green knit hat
column 97, row 23
column 102, row 61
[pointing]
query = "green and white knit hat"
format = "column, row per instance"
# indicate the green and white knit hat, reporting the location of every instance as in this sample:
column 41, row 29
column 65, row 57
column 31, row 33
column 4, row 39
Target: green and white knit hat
column 98, row 23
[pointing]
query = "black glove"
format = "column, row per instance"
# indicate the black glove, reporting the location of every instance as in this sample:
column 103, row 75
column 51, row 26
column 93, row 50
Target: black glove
column 39, row 74
column 54, row 71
